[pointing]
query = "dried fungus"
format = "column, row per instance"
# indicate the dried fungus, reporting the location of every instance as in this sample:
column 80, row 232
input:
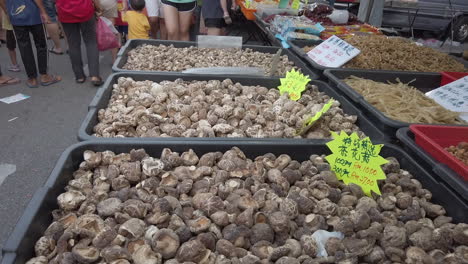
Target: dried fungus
column 240, row 210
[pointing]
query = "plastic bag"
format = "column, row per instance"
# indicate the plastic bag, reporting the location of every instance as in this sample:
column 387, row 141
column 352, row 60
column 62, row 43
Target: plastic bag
column 106, row 38
column 321, row 237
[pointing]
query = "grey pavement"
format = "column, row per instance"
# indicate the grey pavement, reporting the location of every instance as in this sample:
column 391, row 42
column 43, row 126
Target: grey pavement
column 34, row 132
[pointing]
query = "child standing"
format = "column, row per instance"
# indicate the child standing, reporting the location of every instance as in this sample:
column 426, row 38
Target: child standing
column 11, row 43
column 138, row 24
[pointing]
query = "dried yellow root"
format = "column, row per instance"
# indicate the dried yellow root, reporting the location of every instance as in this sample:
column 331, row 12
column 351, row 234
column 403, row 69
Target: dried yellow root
column 384, row 53
column 402, row 102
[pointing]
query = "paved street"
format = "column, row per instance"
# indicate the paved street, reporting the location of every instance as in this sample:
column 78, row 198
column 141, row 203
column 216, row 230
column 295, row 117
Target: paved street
column 45, row 124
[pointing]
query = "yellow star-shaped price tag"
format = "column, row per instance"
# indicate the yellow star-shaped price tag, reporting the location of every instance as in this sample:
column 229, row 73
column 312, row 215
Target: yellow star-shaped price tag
column 295, row 4
column 356, row 161
column 294, row 83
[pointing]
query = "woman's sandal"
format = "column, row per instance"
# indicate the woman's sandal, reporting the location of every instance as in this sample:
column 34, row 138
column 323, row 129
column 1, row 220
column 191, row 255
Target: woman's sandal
column 54, row 80
column 9, row 81
column 97, row 82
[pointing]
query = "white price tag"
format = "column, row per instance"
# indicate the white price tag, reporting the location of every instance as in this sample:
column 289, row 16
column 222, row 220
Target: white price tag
column 333, row 52
column 453, row 96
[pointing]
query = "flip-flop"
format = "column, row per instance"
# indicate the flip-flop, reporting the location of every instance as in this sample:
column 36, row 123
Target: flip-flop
column 54, row 80
column 97, row 82
column 32, row 86
column 81, row 80
column 10, row 81
column 52, row 50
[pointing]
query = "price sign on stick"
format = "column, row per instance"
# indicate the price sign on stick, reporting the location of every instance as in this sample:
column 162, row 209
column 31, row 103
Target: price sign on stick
column 356, row 161
column 295, row 4
column 333, row 52
column 453, row 96
column 311, row 121
column 294, row 84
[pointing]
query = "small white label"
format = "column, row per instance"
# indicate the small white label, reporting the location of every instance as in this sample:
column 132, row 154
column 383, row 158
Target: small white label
column 453, row 96
column 333, row 52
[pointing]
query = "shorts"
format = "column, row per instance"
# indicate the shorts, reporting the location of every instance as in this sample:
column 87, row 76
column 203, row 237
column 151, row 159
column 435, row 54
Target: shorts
column 10, row 40
column 152, row 8
column 181, row 7
column 49, row 6
column 215, row 23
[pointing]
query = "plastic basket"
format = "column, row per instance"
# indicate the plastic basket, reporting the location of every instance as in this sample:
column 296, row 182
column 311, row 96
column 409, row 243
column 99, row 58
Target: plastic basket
column 423, row 81
column 20, row 245
column 448, row 77
column 248, row 13
column 445, row 174
column 434, row 140
column 103, row 96
column 131, row 44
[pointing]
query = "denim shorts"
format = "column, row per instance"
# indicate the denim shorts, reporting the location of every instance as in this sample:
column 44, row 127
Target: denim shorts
column 49, row 6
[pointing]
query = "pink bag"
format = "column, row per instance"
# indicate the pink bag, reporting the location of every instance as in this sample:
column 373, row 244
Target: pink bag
column 106, row 38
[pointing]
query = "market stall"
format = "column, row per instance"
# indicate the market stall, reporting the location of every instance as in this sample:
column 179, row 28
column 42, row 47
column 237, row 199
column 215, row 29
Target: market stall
column 239, row 154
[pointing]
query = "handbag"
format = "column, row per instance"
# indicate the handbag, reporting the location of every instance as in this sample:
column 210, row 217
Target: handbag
column 106, row 35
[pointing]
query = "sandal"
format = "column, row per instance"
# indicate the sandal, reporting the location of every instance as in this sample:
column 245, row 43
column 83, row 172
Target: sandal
column 10, row 81
column 32, row 86
column 80, row 80
column 54, row 80
column 97, row 82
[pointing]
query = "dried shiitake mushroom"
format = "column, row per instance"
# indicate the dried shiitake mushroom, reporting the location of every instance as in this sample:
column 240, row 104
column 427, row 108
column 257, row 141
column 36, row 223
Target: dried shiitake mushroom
column 168, row 58
column 212, row 109
column 232, row 209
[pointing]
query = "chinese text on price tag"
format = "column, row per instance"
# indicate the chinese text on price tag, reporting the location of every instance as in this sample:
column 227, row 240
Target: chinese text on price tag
column 453, row 96
column 294, row 84
column 356, row 161
column 333, row 52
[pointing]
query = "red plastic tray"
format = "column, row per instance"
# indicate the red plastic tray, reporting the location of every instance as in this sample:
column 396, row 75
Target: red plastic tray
column 434, row 140
column 448, row 77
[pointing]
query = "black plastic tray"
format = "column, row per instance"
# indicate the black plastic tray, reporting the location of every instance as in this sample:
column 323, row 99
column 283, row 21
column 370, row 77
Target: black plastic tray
column 423, row 81
column 37, row 215
column 446, row 174
column 296, row 47
column 103, row 95
column 131, row 44
column 264, row 27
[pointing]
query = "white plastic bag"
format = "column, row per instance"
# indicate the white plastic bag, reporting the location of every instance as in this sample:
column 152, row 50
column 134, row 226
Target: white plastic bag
column 321, row 237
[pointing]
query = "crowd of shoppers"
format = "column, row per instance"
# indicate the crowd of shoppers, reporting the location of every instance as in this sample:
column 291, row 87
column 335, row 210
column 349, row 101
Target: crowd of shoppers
column 76, row 21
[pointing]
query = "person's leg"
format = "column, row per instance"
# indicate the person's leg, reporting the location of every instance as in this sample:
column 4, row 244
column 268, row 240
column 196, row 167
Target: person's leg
column 54, row 33
column 53, row 28
column 171, row 19
column 212, row 31
column 38, row 33
column 88, row 30
column 162, row 28
column 7, row 80
column 72, row 31
column 27, row 55
column 11, row 46
column 226, row 16
column 153, row 21
column 185, row 21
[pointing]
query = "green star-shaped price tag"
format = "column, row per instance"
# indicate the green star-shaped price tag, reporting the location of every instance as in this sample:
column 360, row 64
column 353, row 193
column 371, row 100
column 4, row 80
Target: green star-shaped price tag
column 294, row 83
column 356, row 161
column 311, row 121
